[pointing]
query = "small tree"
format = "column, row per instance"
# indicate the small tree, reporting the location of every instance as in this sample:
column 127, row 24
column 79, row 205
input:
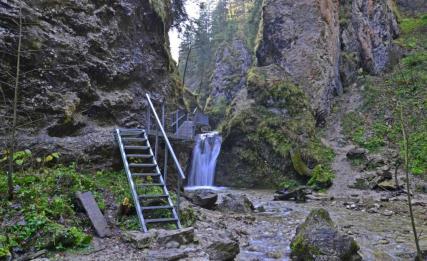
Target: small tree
column 408, row 184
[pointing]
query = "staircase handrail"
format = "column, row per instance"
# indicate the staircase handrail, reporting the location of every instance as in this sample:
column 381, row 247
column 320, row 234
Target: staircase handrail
column 168, row 144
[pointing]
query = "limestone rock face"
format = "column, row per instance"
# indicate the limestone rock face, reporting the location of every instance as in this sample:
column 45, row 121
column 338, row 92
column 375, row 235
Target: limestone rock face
column 86, row 68
column 367, row 32
column 413, row 6
column 303, row 38
column 229, row 76
column 318, row 239
column 259, row 135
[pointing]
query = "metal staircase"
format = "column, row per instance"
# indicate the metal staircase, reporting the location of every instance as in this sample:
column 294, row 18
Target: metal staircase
column 151, row 197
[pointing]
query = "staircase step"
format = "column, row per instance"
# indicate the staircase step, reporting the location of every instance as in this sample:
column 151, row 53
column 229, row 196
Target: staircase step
column 133, row 139
column 137, row 147
column 130, row 132
column 145, row 174
column 160, row 220
column 152, row 196
column 144, row 156
column 149, row 185
column 143, row 165
column 156, row 207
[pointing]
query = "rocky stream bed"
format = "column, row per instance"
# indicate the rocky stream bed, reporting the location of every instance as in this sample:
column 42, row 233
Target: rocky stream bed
column 381, row 228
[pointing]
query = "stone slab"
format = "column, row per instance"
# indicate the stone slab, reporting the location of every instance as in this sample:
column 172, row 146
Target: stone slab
column 94, row 213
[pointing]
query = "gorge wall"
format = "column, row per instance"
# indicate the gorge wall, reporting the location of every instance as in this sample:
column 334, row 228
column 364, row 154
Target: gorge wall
column 86, row 66
column 306, row 53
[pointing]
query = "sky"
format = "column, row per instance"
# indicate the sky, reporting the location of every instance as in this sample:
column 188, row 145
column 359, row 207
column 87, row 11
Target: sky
column 192, row 8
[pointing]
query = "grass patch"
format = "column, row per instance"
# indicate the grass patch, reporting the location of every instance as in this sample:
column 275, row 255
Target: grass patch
column 405, row 86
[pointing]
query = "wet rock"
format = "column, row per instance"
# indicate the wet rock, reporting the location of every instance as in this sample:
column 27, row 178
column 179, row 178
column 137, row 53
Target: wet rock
column 203, row 198
column 219, row 244
column 223, row 249
column 298, row 194
column 357, row 153
column 318, row 239
column 236, row 203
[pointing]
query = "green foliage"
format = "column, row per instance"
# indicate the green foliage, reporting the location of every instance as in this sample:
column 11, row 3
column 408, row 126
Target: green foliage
column 4, row 251
column 46, row 216
column 288, row 184
column 188, row 216
column 321, row 177
column 371, row 136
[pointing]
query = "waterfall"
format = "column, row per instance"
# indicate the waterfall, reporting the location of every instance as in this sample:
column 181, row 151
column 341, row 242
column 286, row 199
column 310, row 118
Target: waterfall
column 205, row 154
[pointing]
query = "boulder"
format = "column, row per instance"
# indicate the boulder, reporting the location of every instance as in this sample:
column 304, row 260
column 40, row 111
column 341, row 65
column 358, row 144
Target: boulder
column 203, row 198
column 223, row 249
column 389, row 184
column 298, row 194
column 318, row 239
column 159, row 238
column 384, row 172
column 357, row 153
column 236, row 203
column 139, row 239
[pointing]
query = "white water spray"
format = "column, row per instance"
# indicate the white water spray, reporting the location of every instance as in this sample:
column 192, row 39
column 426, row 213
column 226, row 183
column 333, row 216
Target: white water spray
column 205, row 154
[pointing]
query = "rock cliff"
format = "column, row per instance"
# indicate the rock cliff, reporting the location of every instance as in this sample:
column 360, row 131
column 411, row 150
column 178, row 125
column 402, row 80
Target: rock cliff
column 86, row 66
column 317, row 48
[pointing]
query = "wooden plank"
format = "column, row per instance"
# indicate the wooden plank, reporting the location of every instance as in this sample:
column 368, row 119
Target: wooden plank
column 94, row 213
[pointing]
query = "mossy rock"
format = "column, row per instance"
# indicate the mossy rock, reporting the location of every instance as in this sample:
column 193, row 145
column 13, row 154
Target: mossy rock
column 318, row 238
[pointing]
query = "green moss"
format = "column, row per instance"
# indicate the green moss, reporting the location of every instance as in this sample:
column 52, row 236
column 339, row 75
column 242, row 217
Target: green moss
column 301, row 249
column 298, row 164
column 321, row 177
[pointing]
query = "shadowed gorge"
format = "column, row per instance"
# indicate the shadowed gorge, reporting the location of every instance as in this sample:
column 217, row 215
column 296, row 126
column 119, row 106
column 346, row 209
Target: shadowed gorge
column 213, row 130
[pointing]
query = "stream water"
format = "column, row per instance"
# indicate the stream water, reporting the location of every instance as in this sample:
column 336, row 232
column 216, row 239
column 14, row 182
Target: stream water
column 205, row 154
